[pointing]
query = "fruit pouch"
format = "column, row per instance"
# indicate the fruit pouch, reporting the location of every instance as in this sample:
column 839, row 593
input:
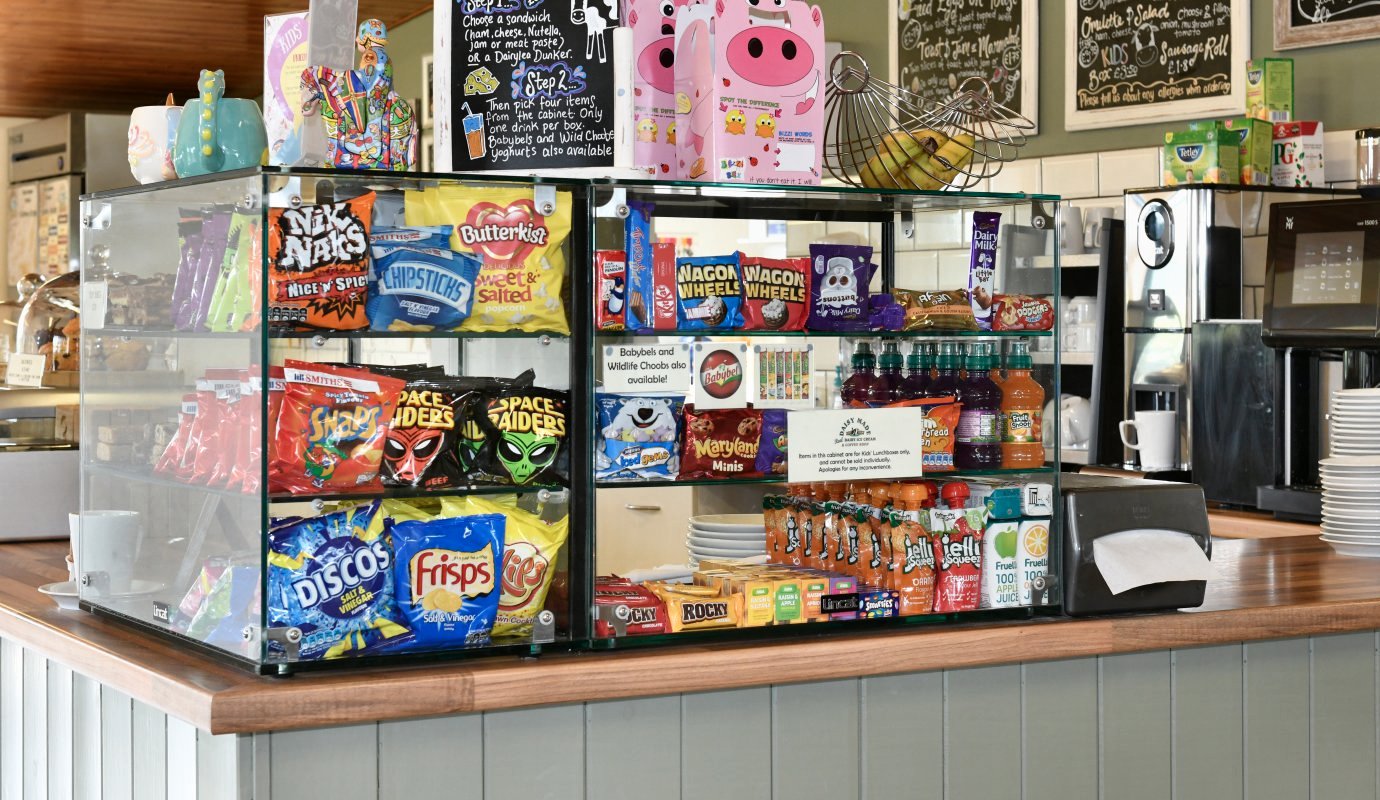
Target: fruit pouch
column 1019, row 312
column 420, row 447
column 522, row 278
column 957, row 542
column 947, row 311
column 776, row 293
column 610, row 289
column 771, row 451
column 318, row 264
column 446, row 572
column 189, row 222
column 638, row 436
column 710, row 293
column 721, row 443
column 839, row 279
column 982, row 268
column 912, row 570
column 331, row 577
column 420, row 284
column 526, row 436
column 331, row 428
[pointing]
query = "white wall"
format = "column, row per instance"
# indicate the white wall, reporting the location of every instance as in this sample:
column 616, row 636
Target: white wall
column 7, row 291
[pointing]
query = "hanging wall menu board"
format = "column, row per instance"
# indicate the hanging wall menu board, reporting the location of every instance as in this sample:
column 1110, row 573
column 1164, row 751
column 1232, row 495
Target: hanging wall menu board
column 1308, row 23
column 1131, row 61
column 529, row 85
column 942, row 42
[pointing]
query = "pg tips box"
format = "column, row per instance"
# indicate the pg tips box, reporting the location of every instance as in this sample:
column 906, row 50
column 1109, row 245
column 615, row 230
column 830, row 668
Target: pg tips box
column 749, row 79
column 1298, row 154
column 1208, row 155
column 653, row 25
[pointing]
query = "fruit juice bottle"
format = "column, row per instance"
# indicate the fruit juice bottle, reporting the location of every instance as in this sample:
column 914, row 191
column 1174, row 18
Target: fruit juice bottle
column 918, row 366
column 1022, row 404
column 889, row 375
column 946, row 382
column 996, row 372
column 860, row 385
column 977, row 441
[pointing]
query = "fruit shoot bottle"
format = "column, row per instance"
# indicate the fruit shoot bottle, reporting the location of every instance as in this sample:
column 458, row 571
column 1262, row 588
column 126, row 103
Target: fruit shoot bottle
column 946, row 382
column 860, row 385
column 977, row 442
column 917, row 380
column 889, row 376
column 1022, row 405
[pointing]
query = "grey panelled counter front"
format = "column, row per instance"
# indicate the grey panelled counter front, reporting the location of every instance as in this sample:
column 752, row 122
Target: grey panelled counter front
column 1269, row 692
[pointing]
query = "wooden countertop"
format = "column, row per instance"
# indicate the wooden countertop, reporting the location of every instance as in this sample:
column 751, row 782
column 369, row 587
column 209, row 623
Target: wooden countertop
column 1267, row 589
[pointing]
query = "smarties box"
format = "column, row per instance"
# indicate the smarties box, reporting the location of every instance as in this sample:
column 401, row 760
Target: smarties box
column 749, row 91
column 1209, row 155
column 653, row 24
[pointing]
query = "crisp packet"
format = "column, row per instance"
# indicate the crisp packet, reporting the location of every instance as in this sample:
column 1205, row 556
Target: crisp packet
column 637, row 435
column 231, row 603
column 446, row 572
column 318, row 258
column 527, row 436
column 982, row 270
column 330, row 577
column 420, row 284
column 521, row 281
column 420, row 447
column 710, row 292
column 839, row 280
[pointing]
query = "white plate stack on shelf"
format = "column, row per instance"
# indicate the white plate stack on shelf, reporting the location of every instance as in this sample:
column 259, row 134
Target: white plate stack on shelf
column 1354, row 422
column 726, row 536
column 1351, row 477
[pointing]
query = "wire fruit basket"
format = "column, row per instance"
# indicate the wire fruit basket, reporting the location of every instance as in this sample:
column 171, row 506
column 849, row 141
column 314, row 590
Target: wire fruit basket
column 881, row 136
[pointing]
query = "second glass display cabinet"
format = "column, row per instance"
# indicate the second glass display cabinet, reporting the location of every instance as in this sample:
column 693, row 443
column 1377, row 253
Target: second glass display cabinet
column 340, row 417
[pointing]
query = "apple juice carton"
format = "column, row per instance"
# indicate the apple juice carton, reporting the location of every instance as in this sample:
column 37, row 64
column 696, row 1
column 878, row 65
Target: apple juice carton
column 653, row 24
column 1298, row 159
column 1270, row 89
column 749, row 83
column 1208, row 155
column 1000, row 565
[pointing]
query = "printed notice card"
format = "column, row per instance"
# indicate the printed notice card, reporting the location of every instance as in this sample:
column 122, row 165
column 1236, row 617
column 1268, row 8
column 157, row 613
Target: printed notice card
column 526, row 84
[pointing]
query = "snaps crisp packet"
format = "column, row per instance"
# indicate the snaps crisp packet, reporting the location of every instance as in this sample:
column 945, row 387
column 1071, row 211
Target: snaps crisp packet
column 710, row 292
column 526, row 436
column 638, row 437
column 330, row 577
column 420, row 284
column 446, row 571
column 776, row 293
column 521, row 280
column 331, row 427
column 318, row 259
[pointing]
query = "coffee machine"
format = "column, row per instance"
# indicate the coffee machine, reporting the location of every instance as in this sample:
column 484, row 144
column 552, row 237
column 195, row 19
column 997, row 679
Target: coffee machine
column 1322, row 317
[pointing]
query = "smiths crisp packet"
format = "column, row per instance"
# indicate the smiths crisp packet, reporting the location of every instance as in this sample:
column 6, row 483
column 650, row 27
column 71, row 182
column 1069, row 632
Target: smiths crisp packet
column 331, row 578
column 448, row 577
column 420, row 283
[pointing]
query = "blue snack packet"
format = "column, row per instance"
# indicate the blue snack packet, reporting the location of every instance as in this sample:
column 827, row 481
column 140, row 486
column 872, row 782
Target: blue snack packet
column 638, row 246
column 710, row 292
column 637, row 436
column 448, row 574
column 418, row 282
column 331, row 577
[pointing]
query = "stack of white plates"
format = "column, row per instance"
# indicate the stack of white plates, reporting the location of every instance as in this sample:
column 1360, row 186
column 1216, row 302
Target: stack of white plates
column 1351, row 504
column 726, row 536
column 1354, row 421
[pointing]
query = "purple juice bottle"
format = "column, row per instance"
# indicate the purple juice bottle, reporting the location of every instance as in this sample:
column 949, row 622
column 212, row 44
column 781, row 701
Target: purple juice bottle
column 860, row 385
column 946, row 382
column 917, row 380
column 889, row 375
column 977, row 441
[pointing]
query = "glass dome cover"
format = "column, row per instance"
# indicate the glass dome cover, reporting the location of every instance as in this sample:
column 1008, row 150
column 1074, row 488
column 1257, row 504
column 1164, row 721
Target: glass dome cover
column 50, row 322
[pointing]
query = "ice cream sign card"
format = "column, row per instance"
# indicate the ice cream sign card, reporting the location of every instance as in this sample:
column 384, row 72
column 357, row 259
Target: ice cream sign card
column 526, row 84
column 749, row 91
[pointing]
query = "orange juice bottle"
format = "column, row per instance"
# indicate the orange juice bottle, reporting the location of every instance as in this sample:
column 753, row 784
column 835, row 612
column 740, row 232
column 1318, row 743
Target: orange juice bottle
column 1022, row 405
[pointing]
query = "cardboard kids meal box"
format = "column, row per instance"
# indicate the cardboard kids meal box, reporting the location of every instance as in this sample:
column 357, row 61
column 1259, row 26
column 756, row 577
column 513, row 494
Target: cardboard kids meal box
column 653, row 24
column 749, row 91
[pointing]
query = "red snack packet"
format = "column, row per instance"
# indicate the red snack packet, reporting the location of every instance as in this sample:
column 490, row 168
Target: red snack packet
column 247, row 466
column 721, row 443
column 331, row 427
column 1020, row 312
column 776, row 293
column 626, row 609
column 958, row 558
column 207, row 445
column 171, row 459
column 610, row 289
column 318, row 262
column 664, row 298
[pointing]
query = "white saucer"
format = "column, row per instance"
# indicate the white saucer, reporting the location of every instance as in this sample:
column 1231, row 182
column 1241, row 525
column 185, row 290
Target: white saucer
column 1351, row 462
column 1353, row 549
column 64, row 593
column 731, row 536
column 728, row 523
column 703, row 553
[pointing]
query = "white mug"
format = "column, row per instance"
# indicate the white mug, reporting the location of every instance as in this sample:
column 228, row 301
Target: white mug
column 1070, row 230
column 106, row 541
column 151, row 133
column 1156, row 433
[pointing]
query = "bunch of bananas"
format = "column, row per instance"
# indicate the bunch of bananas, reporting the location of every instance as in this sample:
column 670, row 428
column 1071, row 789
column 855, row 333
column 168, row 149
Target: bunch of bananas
column 924, row 159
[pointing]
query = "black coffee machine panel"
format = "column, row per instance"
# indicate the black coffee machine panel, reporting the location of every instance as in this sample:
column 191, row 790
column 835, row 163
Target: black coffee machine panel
column 1322, row 309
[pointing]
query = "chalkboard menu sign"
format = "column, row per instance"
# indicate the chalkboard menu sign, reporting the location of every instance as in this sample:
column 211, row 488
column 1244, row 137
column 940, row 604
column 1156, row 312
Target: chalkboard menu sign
column 527, row 85
column 1306, row 23
column 940, row 43
column 1135, row 61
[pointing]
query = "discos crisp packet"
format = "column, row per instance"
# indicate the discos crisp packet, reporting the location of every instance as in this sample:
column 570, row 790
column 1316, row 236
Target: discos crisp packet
column 330, row 577
column 521, row 280
column 446, row 571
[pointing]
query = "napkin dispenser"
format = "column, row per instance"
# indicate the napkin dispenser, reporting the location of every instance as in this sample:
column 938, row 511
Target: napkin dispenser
column 1096, row 507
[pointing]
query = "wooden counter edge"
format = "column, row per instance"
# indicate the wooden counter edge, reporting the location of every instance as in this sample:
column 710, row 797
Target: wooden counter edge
column 341, row 699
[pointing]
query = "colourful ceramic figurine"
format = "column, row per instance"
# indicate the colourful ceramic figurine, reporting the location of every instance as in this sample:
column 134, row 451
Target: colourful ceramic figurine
column 216, row 134
column 368, row 126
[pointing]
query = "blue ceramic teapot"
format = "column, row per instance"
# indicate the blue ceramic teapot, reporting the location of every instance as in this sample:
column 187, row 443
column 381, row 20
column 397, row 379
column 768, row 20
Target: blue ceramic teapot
column 217, row 134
